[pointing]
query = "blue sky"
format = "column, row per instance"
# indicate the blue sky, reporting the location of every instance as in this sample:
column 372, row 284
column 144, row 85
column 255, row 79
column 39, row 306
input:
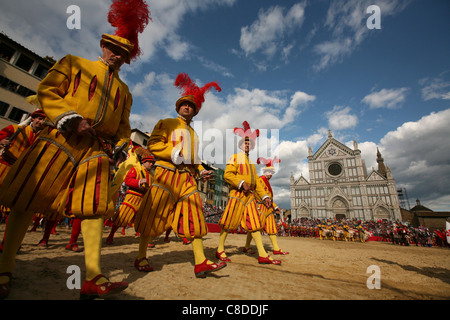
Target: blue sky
column 298, row 68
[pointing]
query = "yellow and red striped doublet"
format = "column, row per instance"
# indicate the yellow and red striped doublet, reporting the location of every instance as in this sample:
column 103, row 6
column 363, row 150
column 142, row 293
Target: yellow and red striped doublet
column 267, row 214
column 63, row 171
column 242, row 208
column 173, row 199
column 23, row 140
column 133, row 197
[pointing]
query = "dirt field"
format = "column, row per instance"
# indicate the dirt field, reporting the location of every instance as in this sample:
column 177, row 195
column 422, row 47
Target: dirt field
column 314, row 270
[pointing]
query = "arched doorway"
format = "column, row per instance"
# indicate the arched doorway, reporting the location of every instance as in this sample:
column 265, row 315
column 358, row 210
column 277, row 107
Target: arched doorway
column 381, row 213
column 303, row 212
column 340, row 209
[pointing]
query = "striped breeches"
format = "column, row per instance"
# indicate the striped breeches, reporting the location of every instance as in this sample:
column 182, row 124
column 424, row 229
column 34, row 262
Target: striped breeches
column 172, row 201
column 128, row 208
column 241, row 210
column 4, row 168
column 268, row 219
column 63, row 173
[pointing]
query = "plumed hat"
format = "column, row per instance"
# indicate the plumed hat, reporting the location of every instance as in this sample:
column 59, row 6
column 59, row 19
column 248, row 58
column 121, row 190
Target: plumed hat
column 246, row 133
column 191, row 92
column 269, row 163
column 129, row 17
column 38, row 113
column 143, row 154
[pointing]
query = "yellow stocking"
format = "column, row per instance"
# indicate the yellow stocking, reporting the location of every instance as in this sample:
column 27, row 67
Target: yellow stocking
column 199, row 253
column 222, row 238
column 275, row 246
column 16, row 228
column 259, row 245
column 92, row 230
column 143, row 245
column 248, row 240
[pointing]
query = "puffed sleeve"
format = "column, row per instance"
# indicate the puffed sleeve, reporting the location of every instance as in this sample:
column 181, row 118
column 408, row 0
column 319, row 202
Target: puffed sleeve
column 52, row 90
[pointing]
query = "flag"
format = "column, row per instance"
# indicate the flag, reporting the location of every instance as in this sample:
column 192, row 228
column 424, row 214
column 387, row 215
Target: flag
column 447, row 231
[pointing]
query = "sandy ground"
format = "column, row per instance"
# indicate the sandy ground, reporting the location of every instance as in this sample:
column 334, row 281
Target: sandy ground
column 314, row 270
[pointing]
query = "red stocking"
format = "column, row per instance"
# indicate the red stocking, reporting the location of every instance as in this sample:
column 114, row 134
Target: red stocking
column 76, row 229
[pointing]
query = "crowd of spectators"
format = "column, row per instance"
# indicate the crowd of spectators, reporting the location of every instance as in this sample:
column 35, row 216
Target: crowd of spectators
column 381, row 230
column 212, row 213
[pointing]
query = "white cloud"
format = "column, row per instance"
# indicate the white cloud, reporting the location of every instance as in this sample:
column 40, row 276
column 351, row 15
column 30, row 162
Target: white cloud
column 267, row 33
column 346, row 20
column 54, row 38
column 162, row 32
column 215, row 67
column 436, row 88
column 417, row 153
column 141, row 87
column 300, row 98
column 386, row 98
column 368, row 153
column 340, row 118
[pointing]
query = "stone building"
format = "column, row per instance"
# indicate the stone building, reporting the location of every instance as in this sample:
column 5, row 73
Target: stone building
column 21, row 70
column 339, row 186
column 419, row 215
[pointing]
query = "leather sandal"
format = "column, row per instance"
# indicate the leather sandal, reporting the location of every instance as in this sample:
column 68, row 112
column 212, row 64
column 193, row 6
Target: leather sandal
column 90, row 290
column 73, row 247
column 144, row 268
column 225, row 259
column 201, row 270
column 280, row 252
column 43, row 244
column 6, row 287
column 267, row 260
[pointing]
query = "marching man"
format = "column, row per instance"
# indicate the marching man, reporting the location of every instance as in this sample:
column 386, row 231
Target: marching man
column 267, row 214
column 68, row 168
column 242, row 209
column 173, row 200
column 138, row 180
column 15, row 139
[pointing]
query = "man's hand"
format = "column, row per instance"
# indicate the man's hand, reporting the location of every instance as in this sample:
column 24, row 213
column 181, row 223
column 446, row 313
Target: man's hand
column 246, row 188
column 268, row 202
column 83, row 127
column 205, row 175
column 143, row 183
column 5, row 143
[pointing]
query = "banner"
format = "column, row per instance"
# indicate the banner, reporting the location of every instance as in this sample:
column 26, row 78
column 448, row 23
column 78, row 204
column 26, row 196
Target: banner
column 447, row 231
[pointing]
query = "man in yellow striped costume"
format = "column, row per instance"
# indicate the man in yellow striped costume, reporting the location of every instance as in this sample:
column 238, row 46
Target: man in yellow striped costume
column 15, row 139
column 67, row 170
column 138, row 179
column 268, row 213
column 173, row 200
column 242, row 208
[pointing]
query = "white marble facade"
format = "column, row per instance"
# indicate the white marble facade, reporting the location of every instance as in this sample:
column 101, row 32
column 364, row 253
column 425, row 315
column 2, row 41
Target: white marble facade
column 339, row 186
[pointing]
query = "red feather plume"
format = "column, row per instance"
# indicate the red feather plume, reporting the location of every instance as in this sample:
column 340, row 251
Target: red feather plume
column 129, row 17
column 189, row 88
column 246, row 131
column 268, row 162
